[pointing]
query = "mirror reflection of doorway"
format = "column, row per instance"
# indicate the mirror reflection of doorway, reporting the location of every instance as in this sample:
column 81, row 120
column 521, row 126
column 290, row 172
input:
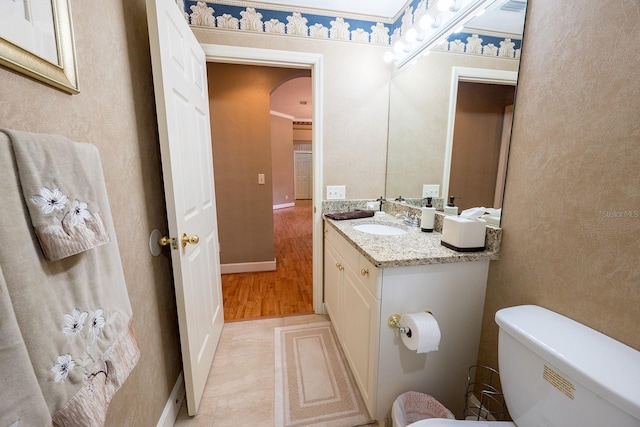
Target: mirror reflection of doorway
column 480, row 144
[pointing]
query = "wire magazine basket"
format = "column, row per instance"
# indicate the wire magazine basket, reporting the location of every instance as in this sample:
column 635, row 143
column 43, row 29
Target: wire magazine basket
column 483, row 399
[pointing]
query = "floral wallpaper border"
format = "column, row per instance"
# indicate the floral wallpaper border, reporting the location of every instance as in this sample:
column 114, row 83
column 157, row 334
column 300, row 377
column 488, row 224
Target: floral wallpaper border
column 238, row 16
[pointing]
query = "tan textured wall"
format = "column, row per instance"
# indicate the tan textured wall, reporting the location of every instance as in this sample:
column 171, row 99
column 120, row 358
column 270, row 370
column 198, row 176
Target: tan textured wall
column 571, row 239
column 115, row 111
column 355, row 105
column 282, row 160
column 241, row 137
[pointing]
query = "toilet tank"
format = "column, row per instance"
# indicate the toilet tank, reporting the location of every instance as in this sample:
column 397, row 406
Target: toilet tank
column 558, row 372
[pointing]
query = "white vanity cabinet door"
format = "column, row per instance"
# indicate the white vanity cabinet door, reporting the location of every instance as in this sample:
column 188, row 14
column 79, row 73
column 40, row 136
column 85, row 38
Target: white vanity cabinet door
column 360, row 331
column 333, row 273
column 351, row 297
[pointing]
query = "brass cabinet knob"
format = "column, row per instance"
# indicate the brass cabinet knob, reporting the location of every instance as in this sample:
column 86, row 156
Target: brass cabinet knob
column 364, row 272
column 193, row 239
column 339, row 266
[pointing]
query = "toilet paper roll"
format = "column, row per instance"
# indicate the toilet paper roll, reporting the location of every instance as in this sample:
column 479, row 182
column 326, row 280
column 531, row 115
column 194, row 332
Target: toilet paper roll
column 424, row 335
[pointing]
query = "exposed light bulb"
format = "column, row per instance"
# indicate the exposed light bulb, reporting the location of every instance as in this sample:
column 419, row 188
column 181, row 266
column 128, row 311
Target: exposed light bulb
column 411, row 35
column 444, row 5
column 388, row 57
column 399, row 47
column 426, row 21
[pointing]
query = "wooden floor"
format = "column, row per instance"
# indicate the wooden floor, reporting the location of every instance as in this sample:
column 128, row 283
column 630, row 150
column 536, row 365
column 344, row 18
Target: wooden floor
column 287, row 291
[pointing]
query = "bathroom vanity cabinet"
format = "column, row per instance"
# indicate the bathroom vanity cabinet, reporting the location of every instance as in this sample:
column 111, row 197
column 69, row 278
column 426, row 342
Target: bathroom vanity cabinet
column 353, row 303
column 359, row 297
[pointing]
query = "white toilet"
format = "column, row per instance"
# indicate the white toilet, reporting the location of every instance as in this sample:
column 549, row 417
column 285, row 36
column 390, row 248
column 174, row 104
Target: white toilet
column 556, row 372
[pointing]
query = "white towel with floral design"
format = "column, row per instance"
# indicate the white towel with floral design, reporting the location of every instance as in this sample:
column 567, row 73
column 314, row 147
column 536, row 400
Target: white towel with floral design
column 59, row 188
column 67, row 342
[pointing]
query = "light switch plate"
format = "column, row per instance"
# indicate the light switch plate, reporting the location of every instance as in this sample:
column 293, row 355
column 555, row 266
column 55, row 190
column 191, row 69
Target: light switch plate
column 336, row 192
column 430, row 190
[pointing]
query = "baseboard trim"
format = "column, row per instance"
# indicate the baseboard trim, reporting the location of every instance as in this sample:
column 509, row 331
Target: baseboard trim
column 248, row 267
column 284, row 205
column 172, row 407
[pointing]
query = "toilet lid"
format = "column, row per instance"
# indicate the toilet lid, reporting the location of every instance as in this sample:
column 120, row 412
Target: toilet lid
column 443, row 422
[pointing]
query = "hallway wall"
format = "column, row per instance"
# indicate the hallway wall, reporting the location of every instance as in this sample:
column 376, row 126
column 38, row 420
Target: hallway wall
column 282, row 160
column 239, row 105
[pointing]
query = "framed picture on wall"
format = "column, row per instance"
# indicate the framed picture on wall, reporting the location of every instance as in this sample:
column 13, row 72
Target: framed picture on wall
column 36, row 39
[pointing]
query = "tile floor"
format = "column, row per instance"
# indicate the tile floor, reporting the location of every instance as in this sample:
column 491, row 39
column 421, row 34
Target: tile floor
column 240, row 387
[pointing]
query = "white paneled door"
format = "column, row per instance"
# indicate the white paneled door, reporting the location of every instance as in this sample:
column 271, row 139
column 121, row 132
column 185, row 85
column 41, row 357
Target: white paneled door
column 180, row 81
column 303, row 171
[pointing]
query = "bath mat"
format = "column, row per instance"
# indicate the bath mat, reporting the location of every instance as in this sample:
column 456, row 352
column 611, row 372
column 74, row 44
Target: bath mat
column 314, row 386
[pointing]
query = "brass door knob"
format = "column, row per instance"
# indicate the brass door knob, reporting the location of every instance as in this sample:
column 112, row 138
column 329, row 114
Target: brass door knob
column 166, row 241
column 193, row 239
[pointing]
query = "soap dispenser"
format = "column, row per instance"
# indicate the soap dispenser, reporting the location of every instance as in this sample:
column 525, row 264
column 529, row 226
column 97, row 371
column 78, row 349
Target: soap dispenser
column 451, row 208
column 428, row 217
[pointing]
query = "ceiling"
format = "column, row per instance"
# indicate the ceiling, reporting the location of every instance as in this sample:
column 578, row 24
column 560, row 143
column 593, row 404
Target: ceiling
column 293, row 98
column 503, row 16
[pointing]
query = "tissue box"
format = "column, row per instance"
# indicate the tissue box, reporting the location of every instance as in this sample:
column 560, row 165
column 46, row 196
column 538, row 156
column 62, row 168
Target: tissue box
column 462, row 234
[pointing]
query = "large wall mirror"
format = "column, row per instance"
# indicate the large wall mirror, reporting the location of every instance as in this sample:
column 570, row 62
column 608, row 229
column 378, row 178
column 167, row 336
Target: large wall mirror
column 450, row 111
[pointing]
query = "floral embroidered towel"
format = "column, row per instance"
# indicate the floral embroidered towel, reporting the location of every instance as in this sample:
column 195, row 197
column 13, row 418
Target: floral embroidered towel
column 59, row 178
column 72, row 317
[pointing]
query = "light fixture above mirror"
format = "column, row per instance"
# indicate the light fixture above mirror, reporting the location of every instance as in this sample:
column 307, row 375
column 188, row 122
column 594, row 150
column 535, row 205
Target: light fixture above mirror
column 432, row 23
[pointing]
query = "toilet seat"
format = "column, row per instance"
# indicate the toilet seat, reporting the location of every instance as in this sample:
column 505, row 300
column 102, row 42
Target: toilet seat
column 443, row 422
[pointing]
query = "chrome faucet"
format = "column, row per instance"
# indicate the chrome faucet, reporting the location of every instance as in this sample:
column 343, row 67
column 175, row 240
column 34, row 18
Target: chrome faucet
column 409, row 219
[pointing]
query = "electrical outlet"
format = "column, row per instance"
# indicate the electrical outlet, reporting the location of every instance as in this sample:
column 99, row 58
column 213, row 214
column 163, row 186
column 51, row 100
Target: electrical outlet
column 336, row 192
column 430, row 190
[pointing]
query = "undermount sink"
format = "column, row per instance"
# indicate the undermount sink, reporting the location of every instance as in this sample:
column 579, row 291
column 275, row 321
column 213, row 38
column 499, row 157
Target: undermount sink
column 380, row 229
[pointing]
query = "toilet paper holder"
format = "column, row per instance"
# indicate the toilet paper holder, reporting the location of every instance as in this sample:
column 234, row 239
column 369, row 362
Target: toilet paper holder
column 393, row 321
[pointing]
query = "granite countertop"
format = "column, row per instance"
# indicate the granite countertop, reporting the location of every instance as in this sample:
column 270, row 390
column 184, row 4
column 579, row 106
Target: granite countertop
column 410, row 249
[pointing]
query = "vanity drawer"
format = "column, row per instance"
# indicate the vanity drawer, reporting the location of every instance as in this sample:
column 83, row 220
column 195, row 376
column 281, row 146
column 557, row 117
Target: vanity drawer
column 332, row 235
column 370, row 276
column 348, row 253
